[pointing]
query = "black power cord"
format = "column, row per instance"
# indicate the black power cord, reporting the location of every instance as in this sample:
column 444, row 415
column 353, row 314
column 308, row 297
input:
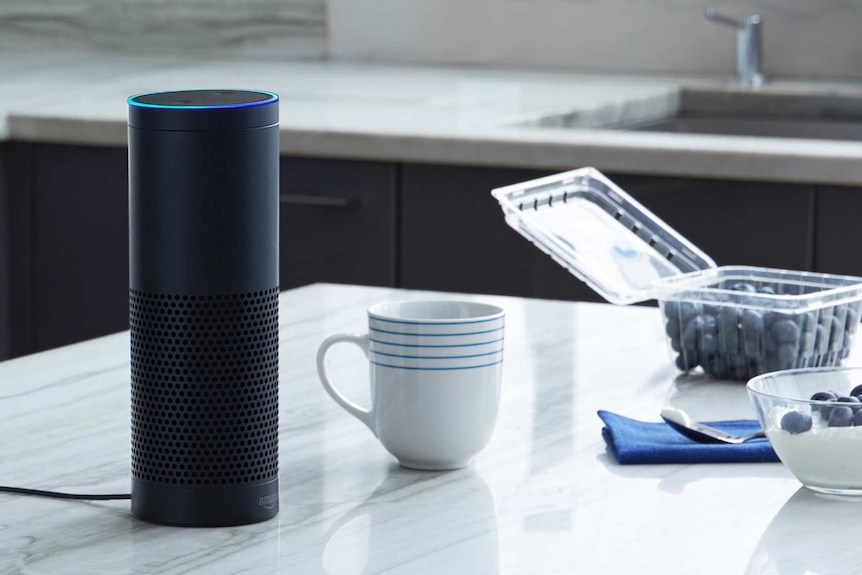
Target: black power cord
column 59, row 495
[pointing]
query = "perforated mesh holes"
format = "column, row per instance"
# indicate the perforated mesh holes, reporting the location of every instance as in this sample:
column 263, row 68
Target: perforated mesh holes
column 204, row 387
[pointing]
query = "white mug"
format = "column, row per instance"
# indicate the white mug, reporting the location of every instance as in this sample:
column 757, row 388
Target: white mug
column 436, row 369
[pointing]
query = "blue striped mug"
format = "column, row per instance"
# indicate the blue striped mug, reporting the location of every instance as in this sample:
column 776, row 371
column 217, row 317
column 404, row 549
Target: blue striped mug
column 436, row 369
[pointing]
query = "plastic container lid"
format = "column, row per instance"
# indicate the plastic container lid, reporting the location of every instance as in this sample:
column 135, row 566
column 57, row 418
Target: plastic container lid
column 599, row 233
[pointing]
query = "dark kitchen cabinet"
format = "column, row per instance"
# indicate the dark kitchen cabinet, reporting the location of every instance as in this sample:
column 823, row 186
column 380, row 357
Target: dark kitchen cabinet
column 5, row 252
column 735, row 223
column 454, row 237
column 64, row 237
column 338, row 221
column 837, row 242
column 78, row 243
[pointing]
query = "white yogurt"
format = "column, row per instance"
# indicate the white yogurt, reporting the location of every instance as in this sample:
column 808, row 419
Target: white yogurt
column 824, row 457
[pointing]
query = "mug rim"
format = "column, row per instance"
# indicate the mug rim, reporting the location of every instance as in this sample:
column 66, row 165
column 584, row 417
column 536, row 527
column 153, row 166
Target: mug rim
column 493, row 312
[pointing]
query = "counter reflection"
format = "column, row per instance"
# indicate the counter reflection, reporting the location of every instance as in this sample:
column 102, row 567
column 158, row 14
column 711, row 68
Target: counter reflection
column 812, row 534
column 418, row 523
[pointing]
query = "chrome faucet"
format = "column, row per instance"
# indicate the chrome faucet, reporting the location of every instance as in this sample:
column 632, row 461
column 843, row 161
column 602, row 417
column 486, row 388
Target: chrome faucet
column 749, row 47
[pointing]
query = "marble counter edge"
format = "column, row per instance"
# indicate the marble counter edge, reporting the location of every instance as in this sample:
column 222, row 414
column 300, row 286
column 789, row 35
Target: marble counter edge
column 446, row 121
column 722, row 157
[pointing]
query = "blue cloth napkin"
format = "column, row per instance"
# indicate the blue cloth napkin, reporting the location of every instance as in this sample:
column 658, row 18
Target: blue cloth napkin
column 632, row 441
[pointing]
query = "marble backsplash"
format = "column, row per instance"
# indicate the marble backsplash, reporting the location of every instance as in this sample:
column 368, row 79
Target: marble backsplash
column 294, row 29
column 802, row 38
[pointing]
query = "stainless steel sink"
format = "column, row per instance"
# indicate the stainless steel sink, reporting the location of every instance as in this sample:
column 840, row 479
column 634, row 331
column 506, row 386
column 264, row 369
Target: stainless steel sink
column 765, row 127
column 738, row 113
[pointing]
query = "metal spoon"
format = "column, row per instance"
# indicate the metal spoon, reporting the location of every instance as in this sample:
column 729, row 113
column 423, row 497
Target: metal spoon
column 699, row 432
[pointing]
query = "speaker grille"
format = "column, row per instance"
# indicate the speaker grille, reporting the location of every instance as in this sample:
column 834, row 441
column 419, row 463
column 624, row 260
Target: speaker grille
column 204, row 387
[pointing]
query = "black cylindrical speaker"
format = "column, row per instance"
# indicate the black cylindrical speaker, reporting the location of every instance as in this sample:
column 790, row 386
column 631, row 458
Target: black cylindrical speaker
column 203, row 306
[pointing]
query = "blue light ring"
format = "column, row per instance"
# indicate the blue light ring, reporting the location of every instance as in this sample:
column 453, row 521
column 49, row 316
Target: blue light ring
column 273, row 98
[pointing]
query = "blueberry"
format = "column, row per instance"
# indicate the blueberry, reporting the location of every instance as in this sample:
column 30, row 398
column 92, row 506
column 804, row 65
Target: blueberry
column 841, row 417
column 709, row 324
column 692, row 332
column 795, row 422
column 771, row 318
column 824, row 410
column 689, row 311
column 731, row 342
column 851, row 399
column 752, row 321
column 785, row 331
column 857, row 419
column 710, row 309
column 708, row 344
column 728, row 316
column 671, row 310
column 856, row 390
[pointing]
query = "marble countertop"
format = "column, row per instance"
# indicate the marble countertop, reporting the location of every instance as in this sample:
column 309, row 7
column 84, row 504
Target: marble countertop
column 473, row 116
column 544, row 496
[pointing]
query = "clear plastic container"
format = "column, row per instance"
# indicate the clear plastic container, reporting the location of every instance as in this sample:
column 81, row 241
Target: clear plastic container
column 734, row 322
column 737, row 322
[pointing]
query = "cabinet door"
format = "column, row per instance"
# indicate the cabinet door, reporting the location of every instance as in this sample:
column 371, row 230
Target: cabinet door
column 80, row 236
column 16, row 230
column 454, row 237
column 837, row 232
column 337, row 222
column 735, row 223
column 5, row 254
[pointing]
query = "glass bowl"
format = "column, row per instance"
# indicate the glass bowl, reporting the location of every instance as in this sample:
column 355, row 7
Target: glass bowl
column 820, row 441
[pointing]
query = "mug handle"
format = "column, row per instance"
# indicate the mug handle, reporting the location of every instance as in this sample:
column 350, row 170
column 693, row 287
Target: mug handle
column 363, row 415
